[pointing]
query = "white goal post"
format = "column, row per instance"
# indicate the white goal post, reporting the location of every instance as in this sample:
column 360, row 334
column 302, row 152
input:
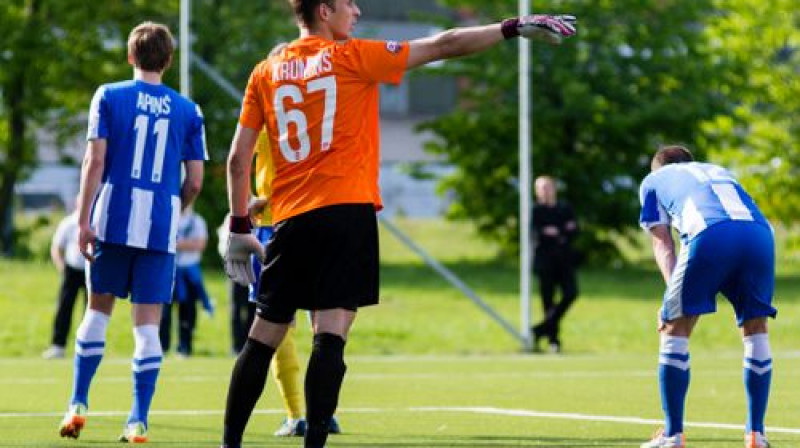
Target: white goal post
column 525, row 185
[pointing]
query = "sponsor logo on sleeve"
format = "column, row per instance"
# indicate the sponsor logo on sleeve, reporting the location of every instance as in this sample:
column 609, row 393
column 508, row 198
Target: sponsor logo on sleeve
column 393, row 46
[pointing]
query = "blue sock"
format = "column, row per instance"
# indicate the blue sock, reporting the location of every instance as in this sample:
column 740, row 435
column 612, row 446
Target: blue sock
column 85, row 368
column 146, row 364
column 144, row 386
column 673, row 375
column 757, row 379
column 89, row 348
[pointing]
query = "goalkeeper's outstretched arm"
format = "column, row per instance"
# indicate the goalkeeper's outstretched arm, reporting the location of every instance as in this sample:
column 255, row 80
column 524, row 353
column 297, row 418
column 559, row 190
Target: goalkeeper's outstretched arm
column 464, row 41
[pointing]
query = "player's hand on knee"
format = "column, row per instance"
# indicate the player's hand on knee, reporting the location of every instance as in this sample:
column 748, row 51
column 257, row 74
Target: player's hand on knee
column 547, row 28
column 237, row 257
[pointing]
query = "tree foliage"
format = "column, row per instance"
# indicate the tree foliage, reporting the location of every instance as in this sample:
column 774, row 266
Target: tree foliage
column 53, row 54
column 759, row 139
column 719, row 75
column 638, row 74
column 232, row 36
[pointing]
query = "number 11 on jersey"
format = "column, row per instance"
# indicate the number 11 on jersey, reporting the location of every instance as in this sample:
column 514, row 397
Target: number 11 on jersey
column 160, row 129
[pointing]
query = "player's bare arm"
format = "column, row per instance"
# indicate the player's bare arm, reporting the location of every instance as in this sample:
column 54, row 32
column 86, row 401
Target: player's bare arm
column 464, row 41
column 91, row 175
column 57, row 256
column 453, row 43
column 241, row 243
column 240, row 160
column 663, row 250
column 193, row 182
column 191, row 244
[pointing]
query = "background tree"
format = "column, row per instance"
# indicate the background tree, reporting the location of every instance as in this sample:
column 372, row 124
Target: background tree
column 232, row 36
column 720, row 75
column 53, row 54
column 637, row 74
column 759, row 139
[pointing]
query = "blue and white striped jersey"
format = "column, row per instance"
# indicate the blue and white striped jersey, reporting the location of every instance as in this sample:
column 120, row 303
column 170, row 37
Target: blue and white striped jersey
column 150, row 130
column 694, row 196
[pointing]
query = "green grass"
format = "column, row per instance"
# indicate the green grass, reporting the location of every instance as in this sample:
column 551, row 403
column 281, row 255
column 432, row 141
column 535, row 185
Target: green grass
column 423, row 365
column 413, row 401
column 420, row 313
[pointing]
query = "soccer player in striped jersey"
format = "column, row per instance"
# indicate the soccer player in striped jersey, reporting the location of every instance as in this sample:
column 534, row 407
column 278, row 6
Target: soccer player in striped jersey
column 141, row 135
column 726, row 246
column 318, row 101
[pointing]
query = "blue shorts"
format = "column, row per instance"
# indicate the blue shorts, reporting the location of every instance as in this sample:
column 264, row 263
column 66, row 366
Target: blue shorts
column 736, row 258
column 147, row 275
column 263, row 234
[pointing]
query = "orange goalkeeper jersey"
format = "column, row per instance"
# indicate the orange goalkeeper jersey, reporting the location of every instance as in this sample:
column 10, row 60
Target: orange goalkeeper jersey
column 318, row 100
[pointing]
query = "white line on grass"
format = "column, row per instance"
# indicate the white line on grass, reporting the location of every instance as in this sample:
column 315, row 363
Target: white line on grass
column 591, row 418
column 364, row 376
column 450, row 358
column 438, row 409
column 126, row 379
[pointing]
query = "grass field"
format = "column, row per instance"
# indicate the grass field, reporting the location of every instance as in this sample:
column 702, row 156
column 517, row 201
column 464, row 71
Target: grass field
column 416, row 401
column 427, row 369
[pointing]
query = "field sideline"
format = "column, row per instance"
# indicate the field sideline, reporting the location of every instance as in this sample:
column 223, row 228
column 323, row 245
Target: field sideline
column 416, row 401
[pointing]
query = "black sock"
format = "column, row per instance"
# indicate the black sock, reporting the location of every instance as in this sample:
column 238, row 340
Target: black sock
column 324, row 377
column 247, row 382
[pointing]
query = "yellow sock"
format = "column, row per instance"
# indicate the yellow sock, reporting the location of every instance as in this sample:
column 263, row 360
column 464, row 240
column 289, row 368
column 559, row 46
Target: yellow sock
column 286, row 371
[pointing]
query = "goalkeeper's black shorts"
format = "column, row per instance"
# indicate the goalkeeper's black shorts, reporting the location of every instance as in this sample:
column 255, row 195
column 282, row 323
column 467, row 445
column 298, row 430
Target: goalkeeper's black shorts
column 319, row 260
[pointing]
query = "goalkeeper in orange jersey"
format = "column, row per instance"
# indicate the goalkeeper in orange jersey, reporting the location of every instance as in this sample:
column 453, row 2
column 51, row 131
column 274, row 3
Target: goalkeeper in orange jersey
column 285, row 365
column 317, row 99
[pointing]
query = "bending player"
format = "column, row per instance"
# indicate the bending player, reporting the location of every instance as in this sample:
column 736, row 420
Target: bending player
column 726, row 246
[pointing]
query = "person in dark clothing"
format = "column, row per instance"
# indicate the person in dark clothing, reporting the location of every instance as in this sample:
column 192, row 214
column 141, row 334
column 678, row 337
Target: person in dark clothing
column 242, row 314
column 70, row 263
column 555, row 260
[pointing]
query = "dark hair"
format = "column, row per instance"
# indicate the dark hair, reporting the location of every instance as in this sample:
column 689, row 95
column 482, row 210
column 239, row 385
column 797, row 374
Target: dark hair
column 305, row 10
column 151, row 46
column 670, row 154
